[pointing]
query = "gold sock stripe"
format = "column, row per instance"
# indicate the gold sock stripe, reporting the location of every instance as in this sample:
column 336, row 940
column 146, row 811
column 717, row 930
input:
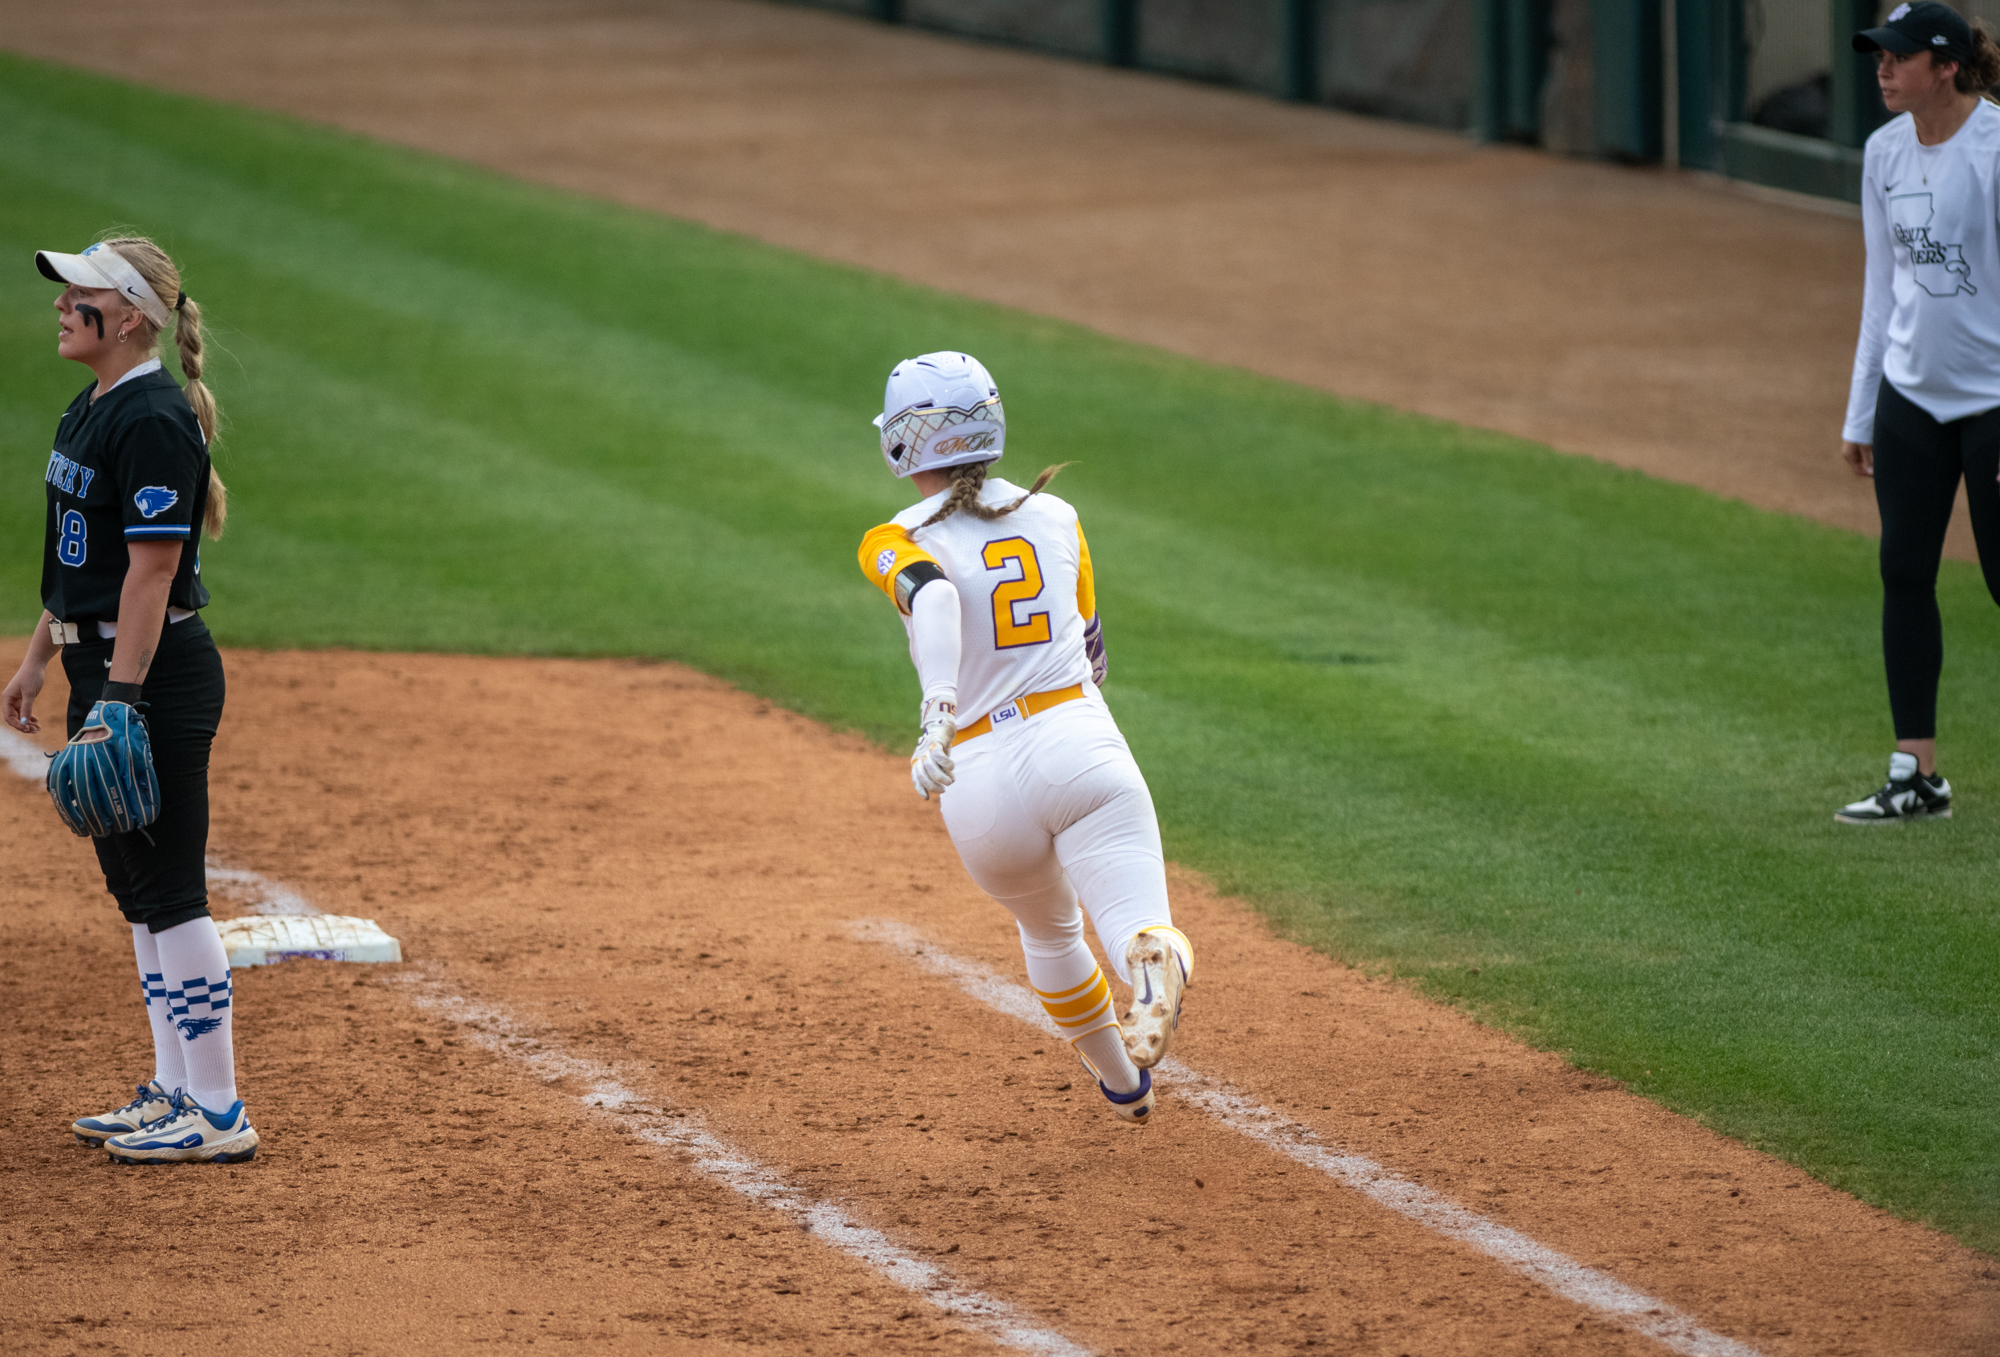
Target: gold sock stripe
column 1093, row 1003
column 1096, row 977
column 1090, row 1018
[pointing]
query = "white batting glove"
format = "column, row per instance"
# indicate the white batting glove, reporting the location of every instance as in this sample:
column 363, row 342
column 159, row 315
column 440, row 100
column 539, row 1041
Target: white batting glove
column 930, row 765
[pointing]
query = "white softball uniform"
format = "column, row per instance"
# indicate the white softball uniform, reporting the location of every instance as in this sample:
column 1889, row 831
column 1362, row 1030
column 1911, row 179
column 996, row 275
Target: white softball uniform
column 1025, row 591
column 1049, row 812
column 1930, row 310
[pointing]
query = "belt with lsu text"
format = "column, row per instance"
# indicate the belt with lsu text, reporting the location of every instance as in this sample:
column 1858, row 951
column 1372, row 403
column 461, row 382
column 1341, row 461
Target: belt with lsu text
column 1021, row 707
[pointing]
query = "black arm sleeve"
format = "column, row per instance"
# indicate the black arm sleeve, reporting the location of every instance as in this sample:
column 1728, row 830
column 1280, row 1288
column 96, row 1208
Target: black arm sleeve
column 913, row 577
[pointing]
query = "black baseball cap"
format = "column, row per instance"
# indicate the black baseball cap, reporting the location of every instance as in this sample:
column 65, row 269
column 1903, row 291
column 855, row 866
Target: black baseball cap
column 1925, row 26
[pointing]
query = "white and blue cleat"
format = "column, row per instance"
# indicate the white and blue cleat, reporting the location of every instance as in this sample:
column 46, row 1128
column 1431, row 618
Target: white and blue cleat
column 188, row 1134
column 1135, row 1106
column 152, row 1103
column 1159, row 975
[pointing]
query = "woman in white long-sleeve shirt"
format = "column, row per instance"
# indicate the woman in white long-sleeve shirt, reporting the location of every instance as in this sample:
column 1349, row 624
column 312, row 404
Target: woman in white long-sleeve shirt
column 1924, row 409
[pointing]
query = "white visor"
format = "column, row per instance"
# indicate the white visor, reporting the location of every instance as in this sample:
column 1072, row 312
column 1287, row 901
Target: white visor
column 102, row 266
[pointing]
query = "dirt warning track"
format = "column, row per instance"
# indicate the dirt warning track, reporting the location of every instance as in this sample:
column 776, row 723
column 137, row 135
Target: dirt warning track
column 652, row 1078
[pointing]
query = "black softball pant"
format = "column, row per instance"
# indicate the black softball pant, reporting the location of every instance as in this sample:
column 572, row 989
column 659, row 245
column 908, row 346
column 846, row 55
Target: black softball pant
column 1918, row 464
column 159, row 875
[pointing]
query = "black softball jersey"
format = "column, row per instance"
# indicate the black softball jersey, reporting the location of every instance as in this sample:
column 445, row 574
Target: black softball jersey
column 130, row 466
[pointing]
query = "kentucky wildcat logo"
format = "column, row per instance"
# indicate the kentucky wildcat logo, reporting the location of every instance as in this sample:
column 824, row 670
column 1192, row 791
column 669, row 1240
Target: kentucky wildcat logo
column 196, row 1027
column 154, row 500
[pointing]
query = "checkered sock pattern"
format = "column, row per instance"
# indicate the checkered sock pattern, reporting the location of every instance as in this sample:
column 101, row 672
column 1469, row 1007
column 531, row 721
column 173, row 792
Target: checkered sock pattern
column 196, row 1007
column 168, row 1067
column 198, row 994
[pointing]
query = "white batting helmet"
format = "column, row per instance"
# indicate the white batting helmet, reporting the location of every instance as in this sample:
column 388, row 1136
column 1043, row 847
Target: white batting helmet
column 940, row 410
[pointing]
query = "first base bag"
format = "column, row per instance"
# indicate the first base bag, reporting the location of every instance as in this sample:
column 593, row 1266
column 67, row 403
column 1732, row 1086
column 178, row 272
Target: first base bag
column 102, row 781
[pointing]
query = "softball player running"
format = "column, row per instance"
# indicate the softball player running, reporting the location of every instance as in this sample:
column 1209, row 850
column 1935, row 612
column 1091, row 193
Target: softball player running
column 1039, row 793
column 128, row 486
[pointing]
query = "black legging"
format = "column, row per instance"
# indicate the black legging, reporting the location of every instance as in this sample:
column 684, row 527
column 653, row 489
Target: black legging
column 158, row 876
column 1918, row 463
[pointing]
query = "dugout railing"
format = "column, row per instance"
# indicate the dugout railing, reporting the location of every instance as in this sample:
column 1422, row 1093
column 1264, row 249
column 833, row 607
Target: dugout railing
column 1762, row 90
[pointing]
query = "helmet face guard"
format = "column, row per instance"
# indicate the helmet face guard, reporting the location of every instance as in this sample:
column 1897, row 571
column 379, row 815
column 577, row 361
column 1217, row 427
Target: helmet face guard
column 940, row 410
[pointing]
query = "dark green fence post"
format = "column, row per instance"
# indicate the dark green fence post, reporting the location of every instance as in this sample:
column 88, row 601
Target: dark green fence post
column 1625, row 40
column 888, row 11
column 1714, row 69
column 1302, row 50
column 1857, row 99
column 1489, row 84
column 1121, row 32
column 1527, row 66
column 1694, row 61
column 1512, row 55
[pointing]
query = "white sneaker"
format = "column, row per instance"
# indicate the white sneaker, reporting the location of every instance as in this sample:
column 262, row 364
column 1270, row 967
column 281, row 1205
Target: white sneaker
column 189, row 1134
column 152, row 1103
column 1908, row 795
column 1159, row 975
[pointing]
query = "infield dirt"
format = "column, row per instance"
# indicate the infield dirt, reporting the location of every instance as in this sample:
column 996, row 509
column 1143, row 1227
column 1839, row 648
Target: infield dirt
column 675, row 898
column 1658, row 320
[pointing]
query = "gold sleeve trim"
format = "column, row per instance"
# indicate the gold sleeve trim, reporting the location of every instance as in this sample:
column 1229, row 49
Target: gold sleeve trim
column 886, row 551
column 1086, row 582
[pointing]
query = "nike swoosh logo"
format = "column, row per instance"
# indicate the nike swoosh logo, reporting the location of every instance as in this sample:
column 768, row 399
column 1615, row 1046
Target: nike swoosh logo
column 107, row 664
column 1148, row 997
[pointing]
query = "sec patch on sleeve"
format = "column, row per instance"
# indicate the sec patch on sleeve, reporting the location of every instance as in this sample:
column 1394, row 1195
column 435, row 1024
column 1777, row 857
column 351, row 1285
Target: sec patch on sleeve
column 886, row 552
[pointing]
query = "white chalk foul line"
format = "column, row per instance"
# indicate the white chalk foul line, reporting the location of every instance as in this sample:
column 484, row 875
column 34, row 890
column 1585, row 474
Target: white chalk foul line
column 24, row 756
column 1586, row 1286
column 607, row 1096
column 260, row 893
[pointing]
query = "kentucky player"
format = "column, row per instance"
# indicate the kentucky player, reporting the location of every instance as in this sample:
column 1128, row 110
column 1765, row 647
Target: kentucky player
column 128, row 485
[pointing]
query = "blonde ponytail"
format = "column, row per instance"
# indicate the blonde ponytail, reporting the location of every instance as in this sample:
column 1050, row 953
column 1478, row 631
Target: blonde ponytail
column 187, row 340
column 966, row 483
column 160, row 274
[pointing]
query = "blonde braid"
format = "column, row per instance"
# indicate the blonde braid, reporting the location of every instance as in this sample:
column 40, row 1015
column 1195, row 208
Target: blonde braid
column 160, row 274
column 966, row 483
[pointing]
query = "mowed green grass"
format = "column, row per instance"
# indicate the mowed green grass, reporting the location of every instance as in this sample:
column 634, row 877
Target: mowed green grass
column 1554, row 741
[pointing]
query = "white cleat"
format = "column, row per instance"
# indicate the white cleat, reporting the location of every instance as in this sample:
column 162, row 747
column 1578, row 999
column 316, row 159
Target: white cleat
column 189, row 1134
column 1158, row 978
column 1135, row 1106
column 152, row 1103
